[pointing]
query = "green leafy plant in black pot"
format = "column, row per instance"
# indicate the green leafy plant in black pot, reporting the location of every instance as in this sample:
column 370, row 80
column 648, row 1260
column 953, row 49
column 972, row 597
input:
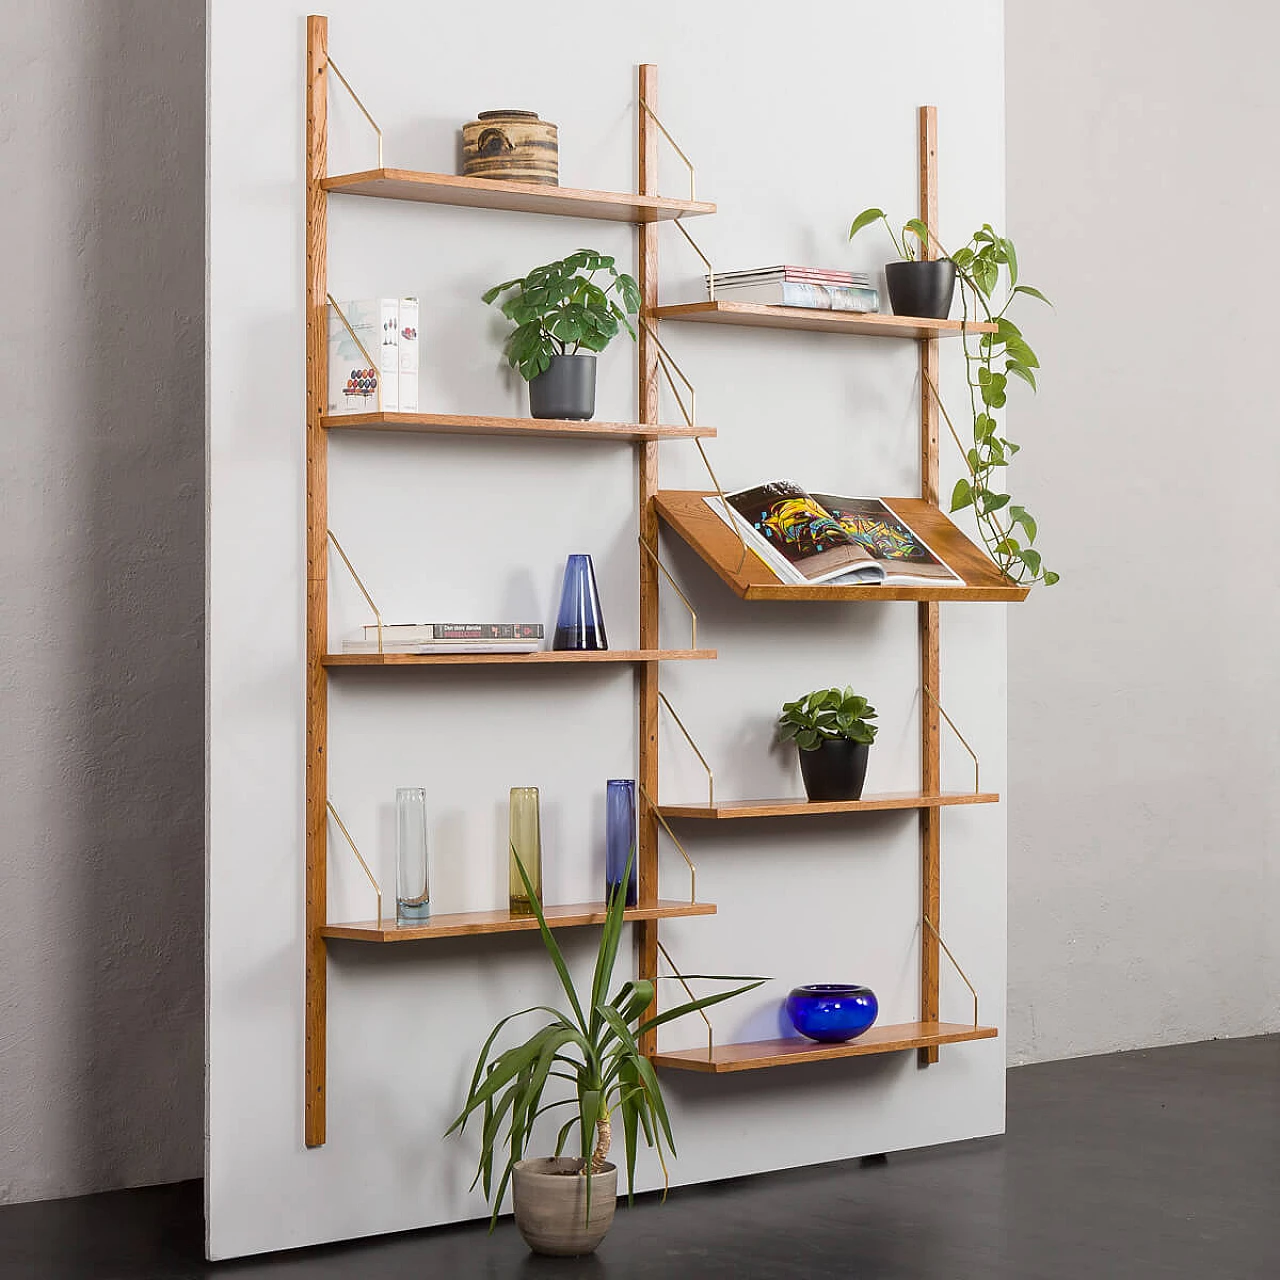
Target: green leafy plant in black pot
column 565, row 1205
column 561, row 311
column 917, row 286
column 987, row 268
column 831, row 729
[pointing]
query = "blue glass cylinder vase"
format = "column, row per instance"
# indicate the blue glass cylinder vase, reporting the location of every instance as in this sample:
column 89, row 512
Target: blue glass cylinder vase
column 620, row 840
column 579, row 624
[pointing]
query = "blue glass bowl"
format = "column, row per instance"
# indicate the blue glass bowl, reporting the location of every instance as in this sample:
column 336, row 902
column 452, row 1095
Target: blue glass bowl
column 832, row 1011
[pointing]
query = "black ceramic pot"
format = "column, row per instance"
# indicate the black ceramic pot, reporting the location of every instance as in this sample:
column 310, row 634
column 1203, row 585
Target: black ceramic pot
column 923, row 289
column 835, row 770
column 565, row 390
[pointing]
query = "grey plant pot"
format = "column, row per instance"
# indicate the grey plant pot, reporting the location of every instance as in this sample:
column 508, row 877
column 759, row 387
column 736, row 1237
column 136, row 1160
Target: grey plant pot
column 550, row 1199
column 567, row 389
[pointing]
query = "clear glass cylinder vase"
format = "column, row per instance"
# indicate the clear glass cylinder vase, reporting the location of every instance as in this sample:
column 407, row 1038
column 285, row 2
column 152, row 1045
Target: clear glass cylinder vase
column 526, row 850
column 413, row 880
column 621, row 854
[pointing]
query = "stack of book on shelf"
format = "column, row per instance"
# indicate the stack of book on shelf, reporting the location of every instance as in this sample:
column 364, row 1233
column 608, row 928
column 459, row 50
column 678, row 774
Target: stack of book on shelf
column 449, row 637
column 786, row 286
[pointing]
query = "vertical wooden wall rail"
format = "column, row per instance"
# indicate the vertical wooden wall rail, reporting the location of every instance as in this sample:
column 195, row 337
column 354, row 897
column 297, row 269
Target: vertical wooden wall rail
column 647, row 278
column 317, row 701
column 930, row 727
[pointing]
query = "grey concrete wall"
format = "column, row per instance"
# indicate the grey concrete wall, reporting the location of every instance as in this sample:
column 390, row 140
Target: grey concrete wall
column 101, row 594
column 1144, row 876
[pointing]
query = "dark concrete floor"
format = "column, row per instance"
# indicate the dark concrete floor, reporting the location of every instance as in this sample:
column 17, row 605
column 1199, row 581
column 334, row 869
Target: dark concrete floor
column 1155, row 1164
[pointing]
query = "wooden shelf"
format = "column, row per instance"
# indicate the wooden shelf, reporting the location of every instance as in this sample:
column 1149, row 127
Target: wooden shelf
column 514, row 197
column 541, row 658
column 726, row 809
column 688, row 514
column 759, row 315
column 781, row 1053
column 466, row 923
column 458, row 424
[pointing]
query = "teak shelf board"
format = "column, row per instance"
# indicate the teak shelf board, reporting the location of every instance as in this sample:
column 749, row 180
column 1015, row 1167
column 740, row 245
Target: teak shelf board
column 688, row 514
column 514, row 197
column 727, row 809
column 540, row 658
column 762, row 316
column 465, row 923
column 460, row 424
column 759, row 1054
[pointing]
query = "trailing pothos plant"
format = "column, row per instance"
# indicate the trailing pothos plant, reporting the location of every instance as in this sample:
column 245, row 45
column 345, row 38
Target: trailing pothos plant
column 594, row 1046
column 559, row 308
column 1008, row 529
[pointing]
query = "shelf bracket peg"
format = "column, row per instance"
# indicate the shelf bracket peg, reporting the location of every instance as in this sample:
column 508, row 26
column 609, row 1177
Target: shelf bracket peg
column 355, row 97
column 680, row 978
column 693, row 613
column 377, row 888
column 351, row 569
column 955, row 964
column 675, row 840
column 972, row 754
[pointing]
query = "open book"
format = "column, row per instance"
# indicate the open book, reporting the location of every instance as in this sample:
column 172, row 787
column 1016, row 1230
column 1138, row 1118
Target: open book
column 807, row 538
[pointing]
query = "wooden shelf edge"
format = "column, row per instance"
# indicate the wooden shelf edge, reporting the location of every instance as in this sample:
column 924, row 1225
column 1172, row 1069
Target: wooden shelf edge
column 725, row 810
column 762, row 1054
column 471, row 424
column 512, row 197
column 543, row 657
column 471, row 923
column 685, row 511
column 866, row 324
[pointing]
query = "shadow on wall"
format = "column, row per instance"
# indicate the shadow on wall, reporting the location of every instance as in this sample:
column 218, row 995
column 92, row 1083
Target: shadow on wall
column 136, row 917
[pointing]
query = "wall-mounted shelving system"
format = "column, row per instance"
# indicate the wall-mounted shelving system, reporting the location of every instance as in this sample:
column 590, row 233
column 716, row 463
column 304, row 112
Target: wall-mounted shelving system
column 687, row 515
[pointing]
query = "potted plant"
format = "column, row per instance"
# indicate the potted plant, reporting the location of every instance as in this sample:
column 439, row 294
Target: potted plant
column 987, row 268
column 917, row 286
column 565, row 1205
column 558, row 310
column 829, row 726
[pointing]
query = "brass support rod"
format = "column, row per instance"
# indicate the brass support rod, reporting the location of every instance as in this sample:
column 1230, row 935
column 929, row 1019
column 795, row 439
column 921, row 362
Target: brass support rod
column 667, row 362
column 956, row 963
column 355, row 97
column 688, row 737
column 377, row 888
column 711, row 1039
column 693, row 871
column 675, row 146
column 662, row 568
column 706, row 262
column 973, row 755
column 351, row 569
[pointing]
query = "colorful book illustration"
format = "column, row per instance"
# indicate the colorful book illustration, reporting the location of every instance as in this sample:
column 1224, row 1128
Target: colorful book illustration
column 810, row 538
column 373, row 364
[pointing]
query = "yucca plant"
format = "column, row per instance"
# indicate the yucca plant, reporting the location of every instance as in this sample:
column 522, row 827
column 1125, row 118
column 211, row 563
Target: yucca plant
column 594, row 1047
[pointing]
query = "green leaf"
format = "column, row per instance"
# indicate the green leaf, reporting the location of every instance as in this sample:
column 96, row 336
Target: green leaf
column 1050, row 577
column 993, row 502
column 1035, row 293
column 1019, row 370
column 920, row 230
column 1031, row 559
column 1020, row 516
column 865, row 219
column 1011, row 257
column 549, row 941
column 490, row 294
column 961, row 495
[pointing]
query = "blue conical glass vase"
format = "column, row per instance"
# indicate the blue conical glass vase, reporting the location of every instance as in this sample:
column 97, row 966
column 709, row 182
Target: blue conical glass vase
column 579, row 624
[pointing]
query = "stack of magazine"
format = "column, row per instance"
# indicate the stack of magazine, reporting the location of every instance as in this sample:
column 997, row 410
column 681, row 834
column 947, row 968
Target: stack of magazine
column 450, row 637
column 807, row 538
column 784, row 286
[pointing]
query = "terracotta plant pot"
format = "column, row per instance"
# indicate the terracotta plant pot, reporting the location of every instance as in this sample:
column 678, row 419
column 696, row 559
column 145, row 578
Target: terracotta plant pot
column 550, row 1197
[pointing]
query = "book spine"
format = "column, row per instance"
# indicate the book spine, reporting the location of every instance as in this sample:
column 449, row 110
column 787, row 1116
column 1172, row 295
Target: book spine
column 408, row 354
column 389, row 353
column 427, row 632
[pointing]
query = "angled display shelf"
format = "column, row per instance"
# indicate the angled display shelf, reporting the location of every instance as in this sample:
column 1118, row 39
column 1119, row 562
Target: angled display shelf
column 725, row 810
column 543, row 657
column 759, row 316
column 513, row 197
column 688, row 514
column 459, row 424
column 759, row 1054
column 467, row 923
